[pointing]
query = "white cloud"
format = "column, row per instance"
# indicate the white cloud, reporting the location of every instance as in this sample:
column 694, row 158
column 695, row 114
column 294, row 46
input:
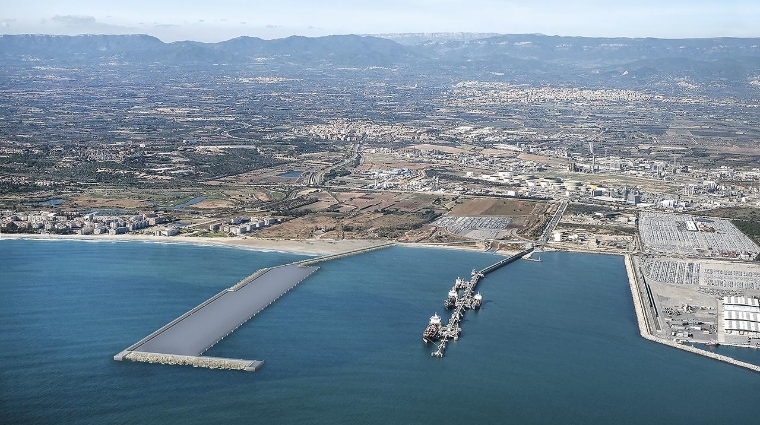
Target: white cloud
column 74, row 20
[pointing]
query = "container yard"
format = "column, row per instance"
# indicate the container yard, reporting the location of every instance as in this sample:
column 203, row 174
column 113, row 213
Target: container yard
column 686, row 235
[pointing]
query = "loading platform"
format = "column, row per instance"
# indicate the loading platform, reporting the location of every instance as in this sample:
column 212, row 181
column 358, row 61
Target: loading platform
column 461, row 298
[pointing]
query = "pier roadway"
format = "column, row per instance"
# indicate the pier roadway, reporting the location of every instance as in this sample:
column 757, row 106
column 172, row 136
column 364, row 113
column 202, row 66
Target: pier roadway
column 199, row 329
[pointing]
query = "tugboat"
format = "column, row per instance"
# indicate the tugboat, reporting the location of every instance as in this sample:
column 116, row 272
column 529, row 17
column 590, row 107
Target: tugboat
column 433, row 330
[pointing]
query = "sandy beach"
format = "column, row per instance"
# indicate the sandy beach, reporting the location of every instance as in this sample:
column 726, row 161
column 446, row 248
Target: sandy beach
column 299, row 246
column 311, row 247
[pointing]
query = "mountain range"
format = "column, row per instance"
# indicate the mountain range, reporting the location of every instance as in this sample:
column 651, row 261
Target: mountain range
column 722, row 61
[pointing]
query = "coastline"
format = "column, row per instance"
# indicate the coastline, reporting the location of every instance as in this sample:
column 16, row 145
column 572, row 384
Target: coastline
column 295, row 246
column 306, row 247
column 316, row 247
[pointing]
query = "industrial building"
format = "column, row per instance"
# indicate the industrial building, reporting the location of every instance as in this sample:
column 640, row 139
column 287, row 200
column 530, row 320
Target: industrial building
column 741, row 315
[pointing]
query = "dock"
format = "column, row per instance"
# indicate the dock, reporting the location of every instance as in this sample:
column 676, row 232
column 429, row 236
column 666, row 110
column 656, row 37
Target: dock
column 461, row 298
column 645, row 316
column 184, row 340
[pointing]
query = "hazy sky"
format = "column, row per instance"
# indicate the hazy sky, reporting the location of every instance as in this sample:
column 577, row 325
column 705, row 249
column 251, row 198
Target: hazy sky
column 216, row 20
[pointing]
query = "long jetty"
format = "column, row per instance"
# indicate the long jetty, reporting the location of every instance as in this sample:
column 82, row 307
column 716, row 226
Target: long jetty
column 645, row 317
column 462, row 297
column 184, row 340
column 322, row 259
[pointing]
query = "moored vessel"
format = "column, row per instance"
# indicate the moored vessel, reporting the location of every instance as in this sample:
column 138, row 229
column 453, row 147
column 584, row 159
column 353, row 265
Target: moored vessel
column 433, row 330
column 477, row 300
column 451, row 300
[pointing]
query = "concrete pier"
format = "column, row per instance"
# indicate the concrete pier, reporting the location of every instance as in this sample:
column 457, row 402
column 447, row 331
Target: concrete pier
column 184, row 339
column 313, row 261
column 645, row 322
column 505, row 261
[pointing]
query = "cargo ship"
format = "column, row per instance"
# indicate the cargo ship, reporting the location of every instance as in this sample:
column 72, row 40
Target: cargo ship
column 433, row 330
column 451, row 300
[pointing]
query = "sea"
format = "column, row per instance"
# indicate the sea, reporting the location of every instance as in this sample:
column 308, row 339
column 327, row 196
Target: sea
column 556, row 342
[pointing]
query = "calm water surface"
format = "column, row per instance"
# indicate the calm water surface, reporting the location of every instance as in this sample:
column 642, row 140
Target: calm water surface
column 556, row 342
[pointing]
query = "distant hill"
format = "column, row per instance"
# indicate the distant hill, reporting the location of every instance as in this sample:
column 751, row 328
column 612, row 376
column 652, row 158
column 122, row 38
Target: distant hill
column 591, row 51
column 720, row 63
column 336, row 49
column 344, row 50
column 711, row 64
column 410, row 39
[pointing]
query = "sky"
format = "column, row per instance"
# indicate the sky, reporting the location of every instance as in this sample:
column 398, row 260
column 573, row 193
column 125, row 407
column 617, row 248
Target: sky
column 217, row 20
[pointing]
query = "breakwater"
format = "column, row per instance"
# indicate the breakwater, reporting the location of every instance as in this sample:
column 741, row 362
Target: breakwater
column 186, row 338
column 183, row 340
column 195, row 361
column 644, row 319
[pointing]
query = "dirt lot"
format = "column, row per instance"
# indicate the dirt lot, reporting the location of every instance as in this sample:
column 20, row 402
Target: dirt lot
column 497, row 206
column 387, row 162
column 339, row 225
column 357, row 215
column 441, row 148
column 211, row 204
column 85, row 201
column 370, row 201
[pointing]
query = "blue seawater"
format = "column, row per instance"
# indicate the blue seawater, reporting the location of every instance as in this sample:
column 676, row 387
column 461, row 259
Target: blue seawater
column 556, row 342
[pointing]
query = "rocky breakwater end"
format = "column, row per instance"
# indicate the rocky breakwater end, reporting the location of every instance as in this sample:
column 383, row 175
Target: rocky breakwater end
column 207, row 362
column 248, row 279
column 644, row 329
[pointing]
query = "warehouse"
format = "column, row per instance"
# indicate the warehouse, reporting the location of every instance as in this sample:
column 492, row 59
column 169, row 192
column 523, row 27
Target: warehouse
column 742, row 315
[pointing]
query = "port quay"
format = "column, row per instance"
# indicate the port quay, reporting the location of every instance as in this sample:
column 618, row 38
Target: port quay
column 645, row 314
column 183, row 340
